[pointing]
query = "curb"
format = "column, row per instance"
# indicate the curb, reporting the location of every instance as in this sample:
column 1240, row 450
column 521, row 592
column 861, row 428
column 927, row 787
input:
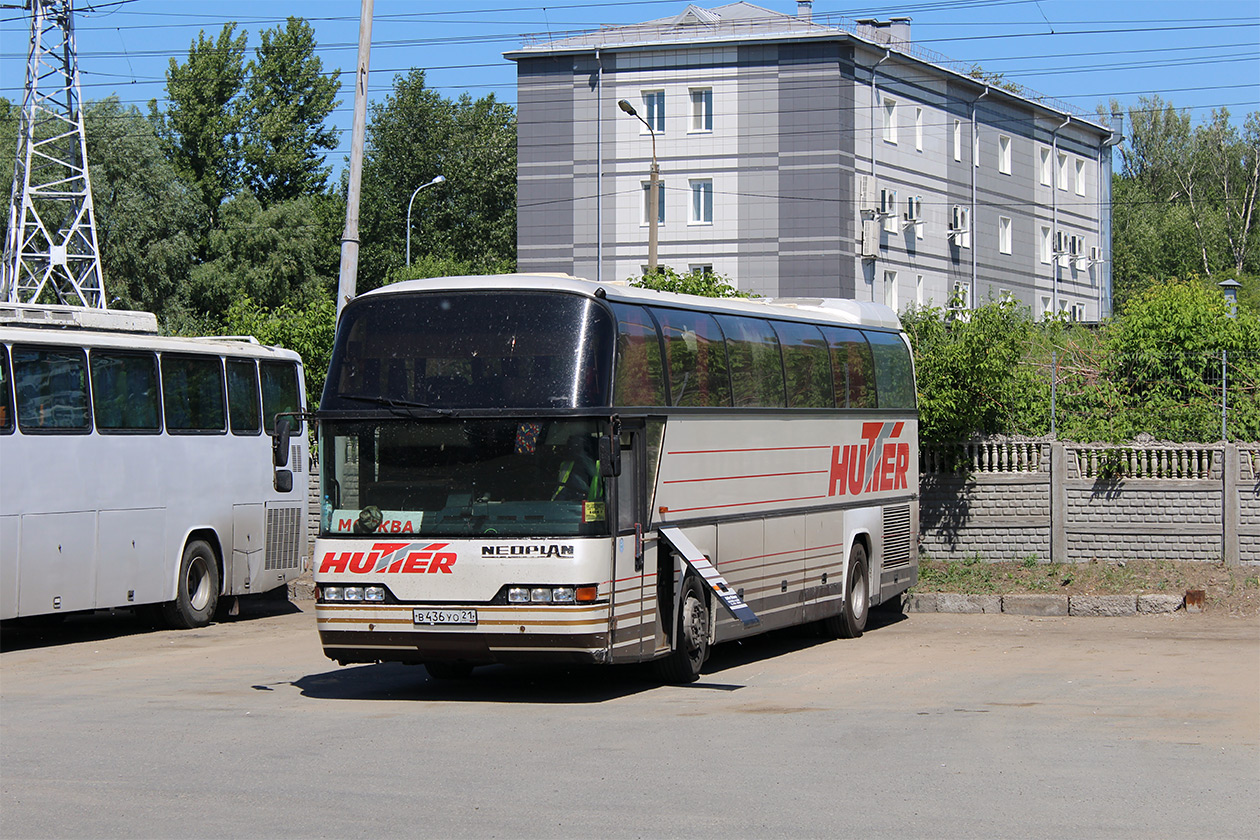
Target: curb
column 1044, row 605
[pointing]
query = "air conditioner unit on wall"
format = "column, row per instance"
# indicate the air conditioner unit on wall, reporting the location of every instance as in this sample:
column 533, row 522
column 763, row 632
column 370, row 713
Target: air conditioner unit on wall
column 1074, row 245
column 866, row 194
column 870, row 238
column 1095, row 256
column 1060, row 242
column 959, row 222
column 887, row 202
column 914, row 209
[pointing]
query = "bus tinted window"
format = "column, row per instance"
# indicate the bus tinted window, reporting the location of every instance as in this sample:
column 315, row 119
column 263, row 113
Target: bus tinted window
column 696, row 357
column 756, row 367
column 125, row 391
column 279, row 393
column 474, row 349
column 6, row 393
column 51, row 387
column 853, row 369
column 242, row 385
column 192, row 393
column 806, row 365
column 637, row 366
column 894, row 372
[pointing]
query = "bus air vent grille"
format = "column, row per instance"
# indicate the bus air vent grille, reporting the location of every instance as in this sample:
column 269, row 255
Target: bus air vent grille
column 896, row 536
column 284, row 537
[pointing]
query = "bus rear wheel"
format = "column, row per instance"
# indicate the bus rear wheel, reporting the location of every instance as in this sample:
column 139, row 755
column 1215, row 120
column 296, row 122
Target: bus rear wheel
column 691, row 648
column 851, row 620
column 197, row 589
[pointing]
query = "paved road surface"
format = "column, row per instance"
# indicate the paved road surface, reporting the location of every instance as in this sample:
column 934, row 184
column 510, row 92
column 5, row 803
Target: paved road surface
column 931, row 726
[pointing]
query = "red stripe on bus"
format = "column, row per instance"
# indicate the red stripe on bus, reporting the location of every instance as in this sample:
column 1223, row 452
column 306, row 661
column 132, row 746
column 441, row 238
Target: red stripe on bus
column 733, row 477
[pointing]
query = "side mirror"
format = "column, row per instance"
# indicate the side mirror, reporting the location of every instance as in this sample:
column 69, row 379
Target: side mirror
column 280, row 443
column 284, row 481
column 609, row 456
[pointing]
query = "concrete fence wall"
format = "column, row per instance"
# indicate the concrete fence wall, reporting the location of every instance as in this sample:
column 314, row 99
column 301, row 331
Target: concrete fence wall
column 1070, row 502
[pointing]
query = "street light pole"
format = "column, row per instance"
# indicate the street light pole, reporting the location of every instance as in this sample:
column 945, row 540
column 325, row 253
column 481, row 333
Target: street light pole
column 438, row 180
column 654, row 186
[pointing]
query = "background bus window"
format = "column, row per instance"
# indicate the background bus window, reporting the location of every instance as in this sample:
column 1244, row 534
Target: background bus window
column 279, row 393
column 752, row 349
column 806, row 365
column 242, row 385
column 894, row 372
column 696, row 356
column 638, row 372
column 125, row 391
column 853, row 369
column 6, row 393
column 51, row 388
column 192, row 394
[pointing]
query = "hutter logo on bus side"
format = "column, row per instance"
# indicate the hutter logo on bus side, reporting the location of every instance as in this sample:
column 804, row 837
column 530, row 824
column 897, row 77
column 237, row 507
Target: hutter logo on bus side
column 404, row 558
column 879, row 464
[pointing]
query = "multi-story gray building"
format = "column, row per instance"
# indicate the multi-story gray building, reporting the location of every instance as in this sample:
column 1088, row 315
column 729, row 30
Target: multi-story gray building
column 808, row 157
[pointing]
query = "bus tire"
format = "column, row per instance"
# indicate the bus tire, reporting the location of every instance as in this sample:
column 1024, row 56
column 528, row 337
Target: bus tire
column 851, row 620
column 683, row 664
column 196, row 590
column 449, row 670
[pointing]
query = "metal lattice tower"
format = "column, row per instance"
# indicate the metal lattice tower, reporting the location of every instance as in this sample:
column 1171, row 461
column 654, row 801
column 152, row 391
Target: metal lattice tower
column 50, row 249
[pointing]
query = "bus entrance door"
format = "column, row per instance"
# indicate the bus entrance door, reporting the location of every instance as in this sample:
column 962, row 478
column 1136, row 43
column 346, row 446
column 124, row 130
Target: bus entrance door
column 632, row 623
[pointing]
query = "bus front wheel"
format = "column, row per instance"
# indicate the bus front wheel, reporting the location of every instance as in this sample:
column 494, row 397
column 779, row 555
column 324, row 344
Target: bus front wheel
column 851, row 620
column 197, row 590
column 691, row 647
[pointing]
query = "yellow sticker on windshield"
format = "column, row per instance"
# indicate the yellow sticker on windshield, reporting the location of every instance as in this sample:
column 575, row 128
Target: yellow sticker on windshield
column 593, row 511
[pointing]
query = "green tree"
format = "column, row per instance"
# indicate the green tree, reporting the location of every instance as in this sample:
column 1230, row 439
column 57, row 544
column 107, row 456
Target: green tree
column 306, row 329
column 288, row 100
column 201, row 126
column 702, row 283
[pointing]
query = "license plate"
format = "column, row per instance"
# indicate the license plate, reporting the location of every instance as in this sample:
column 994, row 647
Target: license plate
column 432, row 617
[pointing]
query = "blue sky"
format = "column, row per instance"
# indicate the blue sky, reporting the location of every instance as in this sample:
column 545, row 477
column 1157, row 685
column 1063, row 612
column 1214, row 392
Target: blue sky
column 1198, row 55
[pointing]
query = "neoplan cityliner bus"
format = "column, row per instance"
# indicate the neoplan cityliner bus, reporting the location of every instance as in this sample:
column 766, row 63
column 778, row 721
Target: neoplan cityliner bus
column 135, row 466
column 539, row 468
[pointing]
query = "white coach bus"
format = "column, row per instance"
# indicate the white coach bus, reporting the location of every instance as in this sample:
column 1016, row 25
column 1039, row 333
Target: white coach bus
column 539, row 468
column 135, row 467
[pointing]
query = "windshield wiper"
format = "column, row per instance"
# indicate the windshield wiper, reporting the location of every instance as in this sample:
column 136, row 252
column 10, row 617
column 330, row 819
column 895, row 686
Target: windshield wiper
column 407, row 406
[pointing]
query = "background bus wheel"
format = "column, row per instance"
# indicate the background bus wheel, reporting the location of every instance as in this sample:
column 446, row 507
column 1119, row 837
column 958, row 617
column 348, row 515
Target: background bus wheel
column 197, row 590
column 683, row 665
column 449, row 670
column 851, row 620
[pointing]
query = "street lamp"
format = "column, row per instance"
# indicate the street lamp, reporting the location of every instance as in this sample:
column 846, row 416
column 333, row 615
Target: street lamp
column 654, row 186
column 438, row 180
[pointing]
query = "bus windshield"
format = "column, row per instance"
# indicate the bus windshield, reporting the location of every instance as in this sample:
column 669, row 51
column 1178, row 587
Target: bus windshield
column 472, row 349
column 458, row 478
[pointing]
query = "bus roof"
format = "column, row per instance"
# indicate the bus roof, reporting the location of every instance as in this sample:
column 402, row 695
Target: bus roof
column 822, row 310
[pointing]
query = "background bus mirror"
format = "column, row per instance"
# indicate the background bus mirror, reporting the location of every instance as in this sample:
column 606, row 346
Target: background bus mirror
column 280, row 444
column 609, row 456
column 284, row 481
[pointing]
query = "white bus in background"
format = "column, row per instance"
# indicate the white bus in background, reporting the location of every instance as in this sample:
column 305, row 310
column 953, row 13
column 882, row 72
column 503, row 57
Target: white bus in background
column 538, row 468
column 134, row 468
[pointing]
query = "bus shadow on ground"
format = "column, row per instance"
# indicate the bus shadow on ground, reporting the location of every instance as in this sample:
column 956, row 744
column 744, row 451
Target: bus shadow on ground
column 100, row 625
column 580, row 684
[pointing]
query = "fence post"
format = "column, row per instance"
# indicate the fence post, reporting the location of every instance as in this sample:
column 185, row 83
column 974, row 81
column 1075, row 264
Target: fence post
column 1058, row 503
column 1230, row 501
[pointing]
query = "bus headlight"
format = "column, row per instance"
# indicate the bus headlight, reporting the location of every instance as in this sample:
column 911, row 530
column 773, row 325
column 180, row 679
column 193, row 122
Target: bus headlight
column 551, row 594
column 332, row 593
column 374, row 593
column 540, row 595
column 518, row 595
column 352, row 593
column 562, row 595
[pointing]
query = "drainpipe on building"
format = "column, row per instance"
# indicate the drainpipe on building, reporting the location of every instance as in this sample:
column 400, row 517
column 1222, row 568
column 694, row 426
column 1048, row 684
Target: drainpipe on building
column 874, row 183
column 599, row 167
column 1054, row 215
column 1104, row 212
column 975, row 219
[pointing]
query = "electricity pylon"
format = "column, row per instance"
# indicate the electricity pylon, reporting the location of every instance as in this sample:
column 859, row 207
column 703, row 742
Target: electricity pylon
column 50, row 249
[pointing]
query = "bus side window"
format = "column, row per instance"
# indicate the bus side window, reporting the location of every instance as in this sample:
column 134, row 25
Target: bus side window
column 242, row 385
column 51, row 387
column 125, row 391
column 192, row 394
column 894, row 371
column 696, row 357
column 853, row 370
column 756, row 365
column 639, row 379
column 6, row 393
column 279, row 393
column 806, row 365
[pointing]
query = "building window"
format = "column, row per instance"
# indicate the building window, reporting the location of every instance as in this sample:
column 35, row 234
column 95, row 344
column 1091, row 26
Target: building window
column 1043, row 170
column 702, row 202
column 1004, row 234
column 700, row 268
column 1063, row 171
column 918, row 129
column 660, row 202
column 1004, row 154
column 702, row 109
column 918, row 289
column 958, row 140
column 1080, row 177
column 890, row 120
column 961, row 298
column 890, row 289
column 654, row 109
column 1045, row 307
column 1047, row 250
